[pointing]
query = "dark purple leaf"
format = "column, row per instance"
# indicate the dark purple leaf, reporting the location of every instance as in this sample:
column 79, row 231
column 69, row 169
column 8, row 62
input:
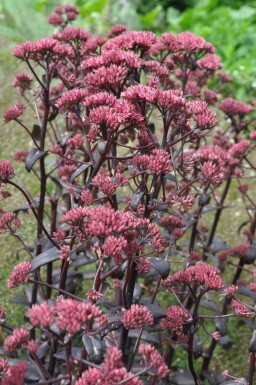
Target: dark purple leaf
column 214, row 378
column 78, row 171
column 204, row 199
column 225, row 342
column 221, row 325
column 64, row 138
column 32, row 157
column 24, row 208
column 197, row 347
column 42, row 351
column 250, row 255
column 82, row 260
column 28, row 291
column 21, row 299
column 62, row 353
column 252, row 345
column 162, row 266
column 94, row 348
column 102, row 147
column 155, row 309
column 146, row 336
column 217, row 245
column 182, row 377
column 119, row 273
column 90, row 274
column 58, row 187
column 53, row 114
column 136, row 199
column 47, row 256
column 209, row 305
column 244, row 290
column 36, row 131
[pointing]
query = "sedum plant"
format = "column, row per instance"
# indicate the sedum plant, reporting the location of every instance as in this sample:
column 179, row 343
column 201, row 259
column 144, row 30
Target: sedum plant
column 133, row 156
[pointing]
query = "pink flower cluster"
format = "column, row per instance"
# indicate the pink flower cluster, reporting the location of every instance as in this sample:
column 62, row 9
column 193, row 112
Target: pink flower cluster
column 4, row 368
column 68, row 12
column 136, row 317
column 16, row 375
column 71, row 99
column 68, row 315
column 102, row 221
column 234, row 107
column 108, row 185
column 22, row 81
column 13, row 113
column 154, row 361
column 157, row 163
column 239, row 309
column 8, row 222
column 176, row 318
column 19, row 275
column 201, row 274
column 21, row 155
column 113, row 247
column 17, row 340
column 111, row 372
column 236, row 251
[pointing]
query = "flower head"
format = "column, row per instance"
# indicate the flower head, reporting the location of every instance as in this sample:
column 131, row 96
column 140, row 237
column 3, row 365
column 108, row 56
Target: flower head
column 13, row 113
column 235, row 107
column 6, row 169
column 154, row 361
column 136, row 317
column 17, row 340
column 41, row 315
column 19, row 275
column 4, row 368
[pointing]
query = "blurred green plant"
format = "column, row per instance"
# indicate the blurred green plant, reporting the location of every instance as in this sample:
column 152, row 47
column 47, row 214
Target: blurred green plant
column 229, row 24
column 233, row 33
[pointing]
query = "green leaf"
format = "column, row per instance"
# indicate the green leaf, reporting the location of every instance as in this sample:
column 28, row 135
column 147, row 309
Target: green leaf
column 92, row 6
column 243, row 13
column 39, row 5
column 207, row 5
column 151, row 16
